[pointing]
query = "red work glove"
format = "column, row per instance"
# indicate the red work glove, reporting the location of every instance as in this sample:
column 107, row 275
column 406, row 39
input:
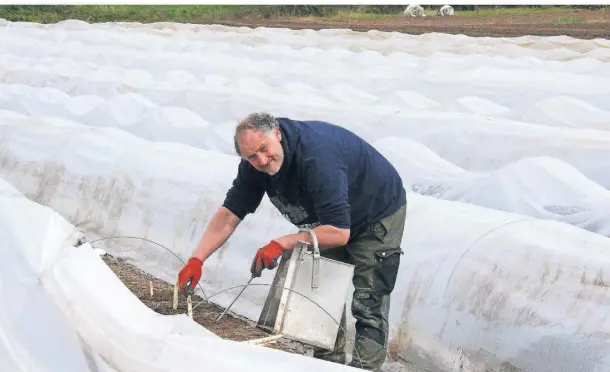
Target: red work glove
column 265, row 258
column 192, row 270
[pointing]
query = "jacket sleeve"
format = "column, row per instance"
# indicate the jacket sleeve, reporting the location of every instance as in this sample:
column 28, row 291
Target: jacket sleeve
column 326, row 180
column 246, row 193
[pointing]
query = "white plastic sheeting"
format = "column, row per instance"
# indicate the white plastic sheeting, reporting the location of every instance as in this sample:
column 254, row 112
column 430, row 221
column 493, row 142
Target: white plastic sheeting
column 520, row 187
column 557, row 81
column 35, row 334
column 447, row 134
column 487, row 86
column 189, row 37
column 480, row 289
column 492, row 291
column 426, row 88
column 540, row 187
column 110, row 183
column 475, row 284
column 59, row 301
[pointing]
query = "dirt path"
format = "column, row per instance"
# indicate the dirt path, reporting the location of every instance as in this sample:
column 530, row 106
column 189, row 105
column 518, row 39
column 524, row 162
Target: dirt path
column 580, row 24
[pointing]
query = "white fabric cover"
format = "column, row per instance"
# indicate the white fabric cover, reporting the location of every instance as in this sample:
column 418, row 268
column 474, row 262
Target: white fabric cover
column 35, row 334
column 59, row 301
column 478, row 289
column 487, row 275
column 489, row 290
column 541, row 187
column 470, row 105
column 447, row 134
column 111, row 183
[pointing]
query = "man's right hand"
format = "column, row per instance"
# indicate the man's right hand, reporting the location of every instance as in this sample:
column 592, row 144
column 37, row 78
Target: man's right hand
column 192, row 270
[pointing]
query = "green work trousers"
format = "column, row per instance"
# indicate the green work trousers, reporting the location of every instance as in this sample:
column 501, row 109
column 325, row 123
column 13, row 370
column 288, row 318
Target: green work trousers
column 375, row 254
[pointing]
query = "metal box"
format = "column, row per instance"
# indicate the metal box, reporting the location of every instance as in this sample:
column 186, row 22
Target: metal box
column 308, row 295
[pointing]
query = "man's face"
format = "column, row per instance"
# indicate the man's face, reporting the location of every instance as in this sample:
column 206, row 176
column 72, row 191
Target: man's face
column 263, row 151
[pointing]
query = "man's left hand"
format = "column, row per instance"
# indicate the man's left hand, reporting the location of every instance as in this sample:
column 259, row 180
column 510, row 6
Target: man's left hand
column 266, row 258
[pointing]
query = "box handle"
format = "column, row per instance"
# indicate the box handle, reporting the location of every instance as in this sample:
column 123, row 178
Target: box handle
column 315, row 267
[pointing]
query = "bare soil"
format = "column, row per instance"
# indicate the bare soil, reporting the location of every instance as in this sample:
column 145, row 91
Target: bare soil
column 583, row 24
column 229, row 327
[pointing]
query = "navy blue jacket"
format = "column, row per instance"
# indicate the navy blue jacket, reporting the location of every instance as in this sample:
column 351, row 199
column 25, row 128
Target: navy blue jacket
column 329, row 176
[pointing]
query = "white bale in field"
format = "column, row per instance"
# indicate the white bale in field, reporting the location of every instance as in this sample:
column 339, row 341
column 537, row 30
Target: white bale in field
column 445, row 10
column 414, row 10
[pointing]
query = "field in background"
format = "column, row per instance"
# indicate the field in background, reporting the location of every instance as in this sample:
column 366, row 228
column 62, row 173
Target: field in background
column 581, row 22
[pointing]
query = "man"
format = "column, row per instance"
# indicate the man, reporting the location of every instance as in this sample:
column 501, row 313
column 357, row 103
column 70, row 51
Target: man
column 323, row 177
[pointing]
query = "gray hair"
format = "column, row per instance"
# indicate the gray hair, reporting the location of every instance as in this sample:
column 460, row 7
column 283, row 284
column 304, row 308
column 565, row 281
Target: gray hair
column 258, row 121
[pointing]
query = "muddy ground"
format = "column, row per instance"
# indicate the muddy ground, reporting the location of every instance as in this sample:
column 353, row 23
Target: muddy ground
column 229, row 327
column 584, row 24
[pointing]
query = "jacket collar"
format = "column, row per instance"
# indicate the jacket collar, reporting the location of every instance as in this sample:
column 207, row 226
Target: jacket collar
column 290, row 138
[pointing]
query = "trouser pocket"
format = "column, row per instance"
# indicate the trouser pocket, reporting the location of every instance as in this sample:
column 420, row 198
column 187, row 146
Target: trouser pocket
column 387, row 263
